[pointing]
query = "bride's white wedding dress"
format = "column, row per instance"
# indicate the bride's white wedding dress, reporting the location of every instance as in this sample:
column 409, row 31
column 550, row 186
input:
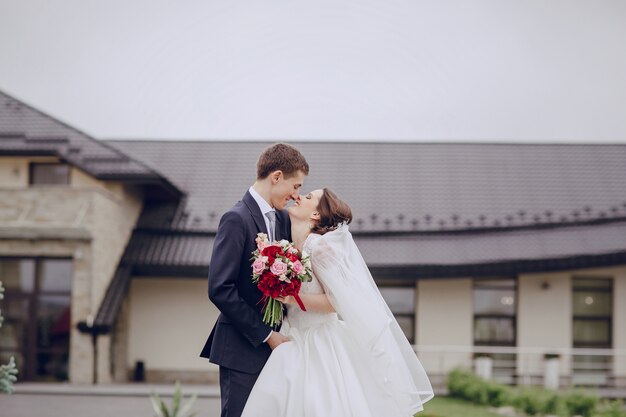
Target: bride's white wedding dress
column 355, row 363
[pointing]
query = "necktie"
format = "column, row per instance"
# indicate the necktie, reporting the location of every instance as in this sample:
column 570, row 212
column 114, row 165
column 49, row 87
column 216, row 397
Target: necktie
column 272, row 216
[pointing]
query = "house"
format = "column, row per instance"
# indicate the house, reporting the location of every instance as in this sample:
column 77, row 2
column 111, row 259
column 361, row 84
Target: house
column 504, row 257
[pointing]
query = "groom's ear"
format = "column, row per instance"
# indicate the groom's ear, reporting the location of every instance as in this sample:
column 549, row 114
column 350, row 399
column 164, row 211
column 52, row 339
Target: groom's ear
column 275, row 176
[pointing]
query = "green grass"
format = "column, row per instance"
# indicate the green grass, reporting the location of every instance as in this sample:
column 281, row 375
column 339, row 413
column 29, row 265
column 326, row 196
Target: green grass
column 453, row 407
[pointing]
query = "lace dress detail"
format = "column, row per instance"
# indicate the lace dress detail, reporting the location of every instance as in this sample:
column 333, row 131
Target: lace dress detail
column 305, row 319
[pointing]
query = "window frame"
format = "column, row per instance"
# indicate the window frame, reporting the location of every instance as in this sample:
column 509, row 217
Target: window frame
column 28, row 347
column 604, row 318
column 405, row 285
column 512, row 318
column 33, row 165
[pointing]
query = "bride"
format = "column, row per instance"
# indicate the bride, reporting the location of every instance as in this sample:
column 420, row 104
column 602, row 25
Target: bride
column 347, row 355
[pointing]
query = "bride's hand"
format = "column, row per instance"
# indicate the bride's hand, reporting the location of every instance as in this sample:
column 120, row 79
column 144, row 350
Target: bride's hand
column 288, row 299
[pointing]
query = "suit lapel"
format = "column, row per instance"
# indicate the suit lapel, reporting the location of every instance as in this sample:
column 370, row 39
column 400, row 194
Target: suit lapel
column 255, row 211
column 283, row 224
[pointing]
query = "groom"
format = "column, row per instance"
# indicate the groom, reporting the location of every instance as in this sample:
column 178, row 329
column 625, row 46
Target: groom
column 240, row 342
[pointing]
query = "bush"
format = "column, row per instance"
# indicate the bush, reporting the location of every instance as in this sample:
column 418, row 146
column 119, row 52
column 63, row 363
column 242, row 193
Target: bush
column 529, row 401
column 611, row 409
column 581, row 404
column 499, row 395
column 555, row 404
column 467, row 386
column 458, row 381
column 532, row 401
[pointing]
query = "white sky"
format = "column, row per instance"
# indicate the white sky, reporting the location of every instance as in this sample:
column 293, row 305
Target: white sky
column 485, row 70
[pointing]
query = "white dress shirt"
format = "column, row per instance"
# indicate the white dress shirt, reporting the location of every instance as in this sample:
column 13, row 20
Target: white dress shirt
column 265, row 207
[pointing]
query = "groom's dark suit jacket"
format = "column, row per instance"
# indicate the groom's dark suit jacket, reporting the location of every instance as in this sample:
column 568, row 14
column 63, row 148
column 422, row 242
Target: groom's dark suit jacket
column 236, row 341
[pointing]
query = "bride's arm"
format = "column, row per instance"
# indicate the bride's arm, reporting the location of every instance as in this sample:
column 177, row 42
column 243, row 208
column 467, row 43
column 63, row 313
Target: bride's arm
column 312, row 302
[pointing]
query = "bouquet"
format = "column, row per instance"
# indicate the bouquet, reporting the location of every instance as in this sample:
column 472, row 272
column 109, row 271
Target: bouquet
column 278, row 270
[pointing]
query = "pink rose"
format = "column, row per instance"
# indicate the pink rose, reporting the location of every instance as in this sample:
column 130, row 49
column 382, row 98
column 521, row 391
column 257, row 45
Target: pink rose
column 278, row 268
column 258, row 266
column 261, row 244
column 298, row 268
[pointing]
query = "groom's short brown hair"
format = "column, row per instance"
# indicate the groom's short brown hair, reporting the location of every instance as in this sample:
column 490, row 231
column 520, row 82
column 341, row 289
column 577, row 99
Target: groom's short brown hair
column 283, row 157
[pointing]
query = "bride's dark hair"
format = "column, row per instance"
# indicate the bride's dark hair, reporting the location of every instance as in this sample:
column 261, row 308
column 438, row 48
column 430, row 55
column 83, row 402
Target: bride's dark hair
column 333, row 211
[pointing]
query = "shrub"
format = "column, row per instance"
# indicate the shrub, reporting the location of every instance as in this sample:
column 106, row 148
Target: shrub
column 529, row 401
column 555, row 404
column 611, row 409
column 499, row 395
column 581, row 404
column 458, row 381
column 532, row 401
column 466, row 385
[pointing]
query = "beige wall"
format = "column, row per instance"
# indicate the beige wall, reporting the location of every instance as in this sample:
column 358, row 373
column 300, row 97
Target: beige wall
column 544, row 317
column 169, row 321
column 444, row 318
column 619, row 323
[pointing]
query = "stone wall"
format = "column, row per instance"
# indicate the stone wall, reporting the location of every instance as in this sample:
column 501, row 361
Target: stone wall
column 89, row 221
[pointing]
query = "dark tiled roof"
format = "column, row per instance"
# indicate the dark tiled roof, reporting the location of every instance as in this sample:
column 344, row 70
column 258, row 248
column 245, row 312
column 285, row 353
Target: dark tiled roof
column 412, row 186
column 27, row 131
column 169, row 247
column 154, row 249
column 112, row 301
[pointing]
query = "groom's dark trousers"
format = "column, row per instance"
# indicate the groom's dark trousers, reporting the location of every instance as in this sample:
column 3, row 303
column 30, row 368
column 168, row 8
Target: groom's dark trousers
column 236, row 342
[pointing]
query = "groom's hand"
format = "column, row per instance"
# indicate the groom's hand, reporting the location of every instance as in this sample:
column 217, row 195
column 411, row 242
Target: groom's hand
column 276, row 339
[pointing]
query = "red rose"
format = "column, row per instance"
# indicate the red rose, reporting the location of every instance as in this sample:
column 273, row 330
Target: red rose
column 271, row 252
column 267, row 283
column 293, row 287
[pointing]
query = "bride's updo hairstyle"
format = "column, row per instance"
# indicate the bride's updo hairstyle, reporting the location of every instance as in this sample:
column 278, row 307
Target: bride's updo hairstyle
column 333, row 211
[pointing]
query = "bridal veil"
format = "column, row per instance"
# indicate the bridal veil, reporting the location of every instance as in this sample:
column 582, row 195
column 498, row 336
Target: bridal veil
column 390, row 360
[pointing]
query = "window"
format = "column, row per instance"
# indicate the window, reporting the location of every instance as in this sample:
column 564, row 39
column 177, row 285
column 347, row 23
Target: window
column 592, row 327
column 495, row 324
column 36, row 310
column 494, row 312
column 49, row 173
column 592, row 306
column 401, row 302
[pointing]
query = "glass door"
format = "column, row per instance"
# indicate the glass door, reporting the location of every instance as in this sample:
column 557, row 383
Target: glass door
column 37, row 310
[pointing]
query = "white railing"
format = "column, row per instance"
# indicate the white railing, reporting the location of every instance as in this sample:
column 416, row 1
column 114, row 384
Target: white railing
column 551, row 367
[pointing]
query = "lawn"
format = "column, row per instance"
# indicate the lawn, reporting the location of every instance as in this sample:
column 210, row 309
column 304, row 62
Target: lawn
column 453, row 407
